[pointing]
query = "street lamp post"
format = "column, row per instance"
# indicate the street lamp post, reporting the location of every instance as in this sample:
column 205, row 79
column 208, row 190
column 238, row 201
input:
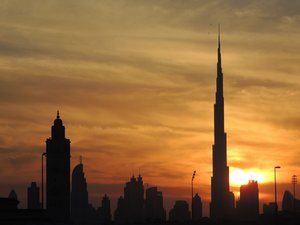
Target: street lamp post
column 276, row 206
column 193, row 176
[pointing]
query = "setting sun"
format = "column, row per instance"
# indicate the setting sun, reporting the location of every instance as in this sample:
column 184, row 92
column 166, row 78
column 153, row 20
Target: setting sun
column 239, row 177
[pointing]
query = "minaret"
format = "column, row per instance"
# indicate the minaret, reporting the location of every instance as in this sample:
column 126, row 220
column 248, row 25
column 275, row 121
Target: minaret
column 222, row 200
column 58, row 173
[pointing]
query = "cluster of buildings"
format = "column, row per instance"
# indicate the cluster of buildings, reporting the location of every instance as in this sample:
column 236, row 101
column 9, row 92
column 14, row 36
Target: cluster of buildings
column 133, row 208
column 65, row 204
column 136, row 205
column 82, row 212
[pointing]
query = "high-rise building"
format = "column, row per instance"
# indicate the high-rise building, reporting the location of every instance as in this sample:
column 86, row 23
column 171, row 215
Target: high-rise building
column 197, row 208
column 33, row 196
column 180, row 212
column 58, row 173
column 105, row 210
column 222, row 200
column 290, row 203
column 155, row 211
column 79, row 196
column 119, row 214
column 248, row 205
column 134, row 199
column 131, row 209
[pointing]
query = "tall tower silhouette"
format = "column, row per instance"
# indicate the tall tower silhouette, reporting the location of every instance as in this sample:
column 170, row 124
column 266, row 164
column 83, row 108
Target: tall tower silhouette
column 58, row 173
column 222, row 200
column 79, row 196
column 131, row 208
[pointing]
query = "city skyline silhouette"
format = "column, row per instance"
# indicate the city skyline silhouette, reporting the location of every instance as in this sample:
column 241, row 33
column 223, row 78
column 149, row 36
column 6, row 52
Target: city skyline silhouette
column 135, row 85
column 71, row 205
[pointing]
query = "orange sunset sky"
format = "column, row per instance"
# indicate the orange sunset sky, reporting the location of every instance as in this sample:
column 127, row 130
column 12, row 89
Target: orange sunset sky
column 134, row 81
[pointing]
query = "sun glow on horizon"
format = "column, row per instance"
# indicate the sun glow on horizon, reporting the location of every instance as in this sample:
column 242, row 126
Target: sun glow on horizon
column 239, row 177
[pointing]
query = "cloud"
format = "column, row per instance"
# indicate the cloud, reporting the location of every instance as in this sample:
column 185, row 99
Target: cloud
column 135, row 84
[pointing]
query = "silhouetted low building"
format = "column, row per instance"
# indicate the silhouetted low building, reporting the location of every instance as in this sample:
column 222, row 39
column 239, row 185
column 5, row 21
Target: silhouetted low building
column 197, row 208
column 180, row 212
column 13, row 195
column 24, row 216
column 248, row 205
column 9, row 203
column 155, row 211
column 10, row 214
column 269, row 208
column 289, row 201
column 33, row 196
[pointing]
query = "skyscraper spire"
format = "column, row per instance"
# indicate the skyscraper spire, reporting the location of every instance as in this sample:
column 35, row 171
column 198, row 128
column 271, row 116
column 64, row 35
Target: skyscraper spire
column 222, row 200
column 219, row 67
column 219, row 41
column 57, row 114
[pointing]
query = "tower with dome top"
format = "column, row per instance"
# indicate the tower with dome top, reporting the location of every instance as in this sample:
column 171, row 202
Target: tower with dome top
column 58, row 173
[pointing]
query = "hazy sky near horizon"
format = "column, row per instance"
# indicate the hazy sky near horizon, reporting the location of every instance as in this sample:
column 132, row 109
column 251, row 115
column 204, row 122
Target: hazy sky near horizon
column 134, row 81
